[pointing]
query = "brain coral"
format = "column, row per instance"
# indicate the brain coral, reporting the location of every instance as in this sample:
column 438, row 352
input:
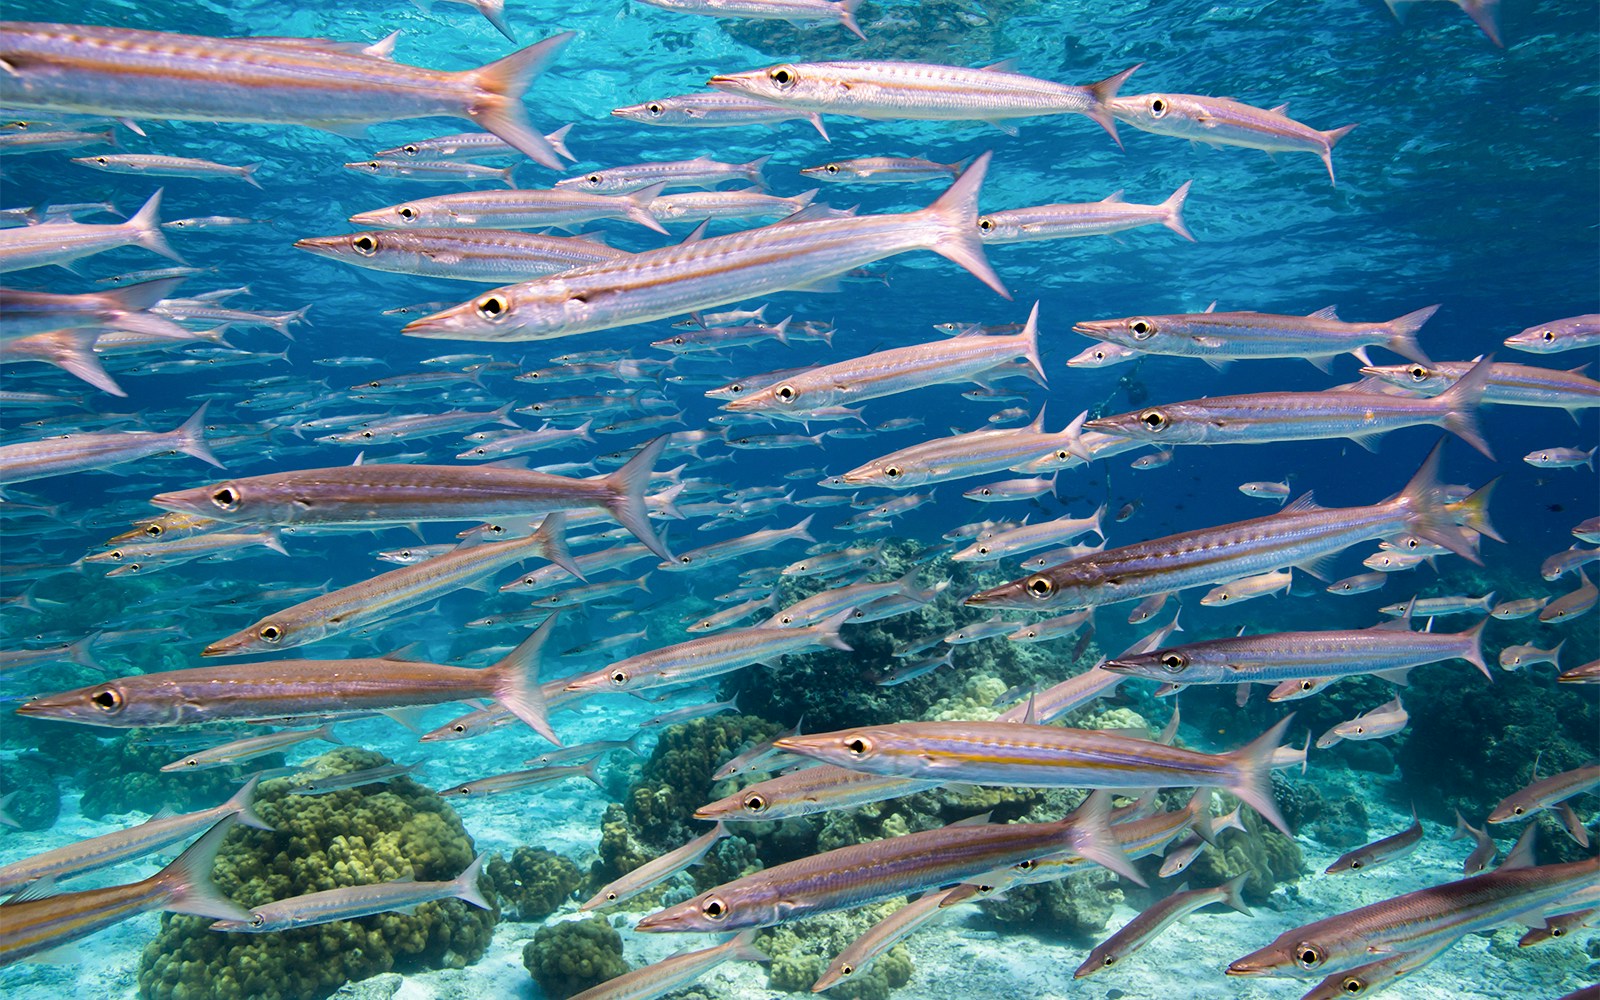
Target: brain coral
column 361, row 835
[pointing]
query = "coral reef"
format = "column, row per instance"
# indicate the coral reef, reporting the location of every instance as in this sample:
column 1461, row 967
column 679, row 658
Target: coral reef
column 357, row 836
column 569, row 957
column 801, row 952
column 532, row 883
column 127, row 777
column 1077, row 906
column 1269, row 857
column 676, row 780
column 37, row 801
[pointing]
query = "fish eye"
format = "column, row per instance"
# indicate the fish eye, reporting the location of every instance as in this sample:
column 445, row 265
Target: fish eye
column 1063, row 455
column 785, row 393
column 406, row 212
column 366, row 246
column 714, row 909
column 1158, row 107
column 755, row 803
column 1141, row 329
column 257, row 920
column 100, row 160
column 154, row 530
column 270, row 633
column 1025, row 866
column 593, row 178
column 108, row 700
column 893, row 472
column 654, row 109
column 859, row 746
column 1360, row 729
column 983, row 550
column 492, row 308
column 1518, row 811
column 115, row 554
column 458, row 728
column 736, row 387
column 1355, row 864
column 409, row 150
column 226, row 498
column 986, row 492
column 367, row 435
column 1352, row 985
column 832, row 168
column 619, row 677
column 1174, row 661
column 371, row 164
column 1556, row 932
column 685, row 560
column 611, row 897
column 847, row 969
column 1110, row 960
column 1040, row 587
column 1308, row 685
column 986, row 224
column 1154, row 420
column 1549, row 335
column 783, row 76
column 1308, row 956
column 1419, row 374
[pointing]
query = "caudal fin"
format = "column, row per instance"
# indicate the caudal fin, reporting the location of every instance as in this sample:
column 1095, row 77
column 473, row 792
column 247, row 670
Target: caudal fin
column 1331, row 137
column 515, row 681
column 627, row 502
column 1459, row 405
column 1472, row 510
column 72, row 351
column 243, row 805
column 1252, row 781
column 494, row 11
column 552, row 543
column 1092, row 837
column 1029, row 339
column 1403, row 334
column 466, row 884
column 1426, row 512
column 1473, row 654
column 498, row 104
column 956, row 216
column 145, row 228
column 191, row 437
column 828, row 631
column 1103, row 92
column 847, row 17
column 1231, row 890
column 1172, row 212
column 185, row 884
column 558, row 142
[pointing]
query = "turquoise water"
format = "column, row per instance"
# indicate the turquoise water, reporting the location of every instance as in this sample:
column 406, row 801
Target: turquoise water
column 1470, row 182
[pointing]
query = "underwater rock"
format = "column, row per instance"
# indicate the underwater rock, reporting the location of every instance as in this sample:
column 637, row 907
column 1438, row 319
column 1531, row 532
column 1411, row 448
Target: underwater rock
column 569, row 957
column 37, row 802
column 802, row 950
column 358, row 836
column 1077, row 906
column 532, row 883
column 676, row 780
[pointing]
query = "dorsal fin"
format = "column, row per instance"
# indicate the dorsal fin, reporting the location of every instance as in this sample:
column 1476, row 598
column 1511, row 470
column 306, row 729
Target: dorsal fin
column 1282, row 109
column 1003, row 66
column 1212, row 307
column 1113, row 196
column 697, row 235
column 1326, row 312
column 1304, row 502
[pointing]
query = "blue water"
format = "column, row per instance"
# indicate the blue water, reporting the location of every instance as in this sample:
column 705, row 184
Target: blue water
column 1471, row 182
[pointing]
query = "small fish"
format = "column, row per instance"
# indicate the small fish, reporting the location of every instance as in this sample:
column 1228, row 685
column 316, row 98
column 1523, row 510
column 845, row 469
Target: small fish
column 1433, row 607
column 1561, row 458
column 701, row 172
column 1560, row 335
column 1380, row 852
column 653, row 873
column 1375, row 724
column 71, row 453
column 677, row 971
column 1520, row 608
column 516, row 781
column 1107, row 216
column 715, row 110
column 1573, row 604
column 62, row 242
column 1528, row 655
column 1249, row 588
column 1144, row 928
column 350, row 902
column 446, row 171
column 169, row 166
column 1560, row 564
column 1546, row 793
column 1266, row 491
column 1484, row 850
column 251, row 746
column 884, row 170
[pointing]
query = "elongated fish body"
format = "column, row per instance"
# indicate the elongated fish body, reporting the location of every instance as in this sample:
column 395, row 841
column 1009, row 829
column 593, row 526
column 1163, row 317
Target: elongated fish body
column 1094, row 218
column 710, row 656
column 236, row 751
column 883, row 170
column 1379, row 852
column 388, row 594
column 828, row 603
column 60, row 456
column 888, row 932
column 126, row 73
column 1415, row 920
column 516, row 781
column 1224, row 122
column 290, row 689
column 749, row 203
column 39, row 925
column 893, row 371
column 470, row 146
column 676, row 971
column 1157, row 917
column 701, row 274
column 168, row 166
column 1302, row 534
column 62, row 241
column 715, row 110
column 1274, row 657
column 657, row 870
column 350, row 902
column 700, row 172
column 866, row 873
column 519, row 208
column 1014, row 753
column 443, row 171
column 889, row 91
column 90, row 855
column 806, row 792
column 23, row 313
column 975, row 453
column 843, row 12
column 40, row 142
column 401, row 494
column 1546, row 793
column 1030, row 537
column 1374, row 976
column 1229, row 336
column 1512, row 384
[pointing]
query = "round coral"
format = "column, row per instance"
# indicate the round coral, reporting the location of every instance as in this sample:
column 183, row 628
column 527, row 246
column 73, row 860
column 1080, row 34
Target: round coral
column 363, row 835
column 571, row 956
column 533, row 883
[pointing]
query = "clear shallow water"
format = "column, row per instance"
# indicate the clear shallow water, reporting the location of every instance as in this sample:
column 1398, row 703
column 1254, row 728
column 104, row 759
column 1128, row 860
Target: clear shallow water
column 1470, row 182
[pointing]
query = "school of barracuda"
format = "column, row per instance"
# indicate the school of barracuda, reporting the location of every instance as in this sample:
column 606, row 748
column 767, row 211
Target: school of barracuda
column 577, row 531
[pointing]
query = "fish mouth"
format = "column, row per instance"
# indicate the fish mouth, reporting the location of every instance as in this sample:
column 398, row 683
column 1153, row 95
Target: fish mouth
column 1092, row 327
column 1118, row 666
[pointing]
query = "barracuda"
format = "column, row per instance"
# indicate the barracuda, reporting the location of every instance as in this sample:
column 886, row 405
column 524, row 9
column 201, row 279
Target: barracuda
column 1302, row 535
column 700, row 172
column 807, row 792
column 656, row 871
column 133, row 74
column 519, row 208
column 290, row 689
column 1093, row 218
column 1015, row 753
column 866, row 873
column 714, row 110
column 463, row 255
column 1513, row 384
column 676, row 971
column 1224, row 122
column 350, row 902
column 658, row 284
